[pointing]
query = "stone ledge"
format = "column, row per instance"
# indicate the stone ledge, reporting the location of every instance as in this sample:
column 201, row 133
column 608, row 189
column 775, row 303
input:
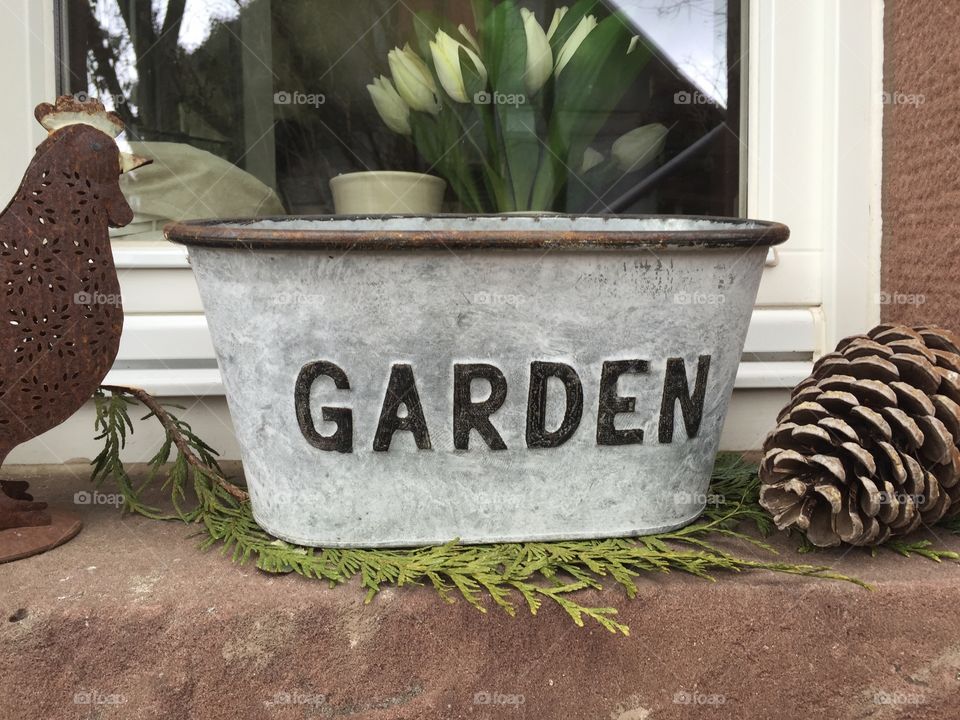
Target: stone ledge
column 132, row 612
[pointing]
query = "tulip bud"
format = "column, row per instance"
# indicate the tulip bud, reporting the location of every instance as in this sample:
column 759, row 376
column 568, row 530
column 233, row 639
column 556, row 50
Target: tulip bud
column 591, row 158
column 539, row 54
column 393, row 110
column 573, row 43
column 557, row 19
column 468, row 36
column 413, row 80
column 446, row 59
column 638, row 148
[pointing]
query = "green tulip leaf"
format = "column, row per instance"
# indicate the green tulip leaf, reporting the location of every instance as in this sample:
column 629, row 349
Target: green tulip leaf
column 587, row 92
column 435, row 138
column 479, row 124
column 504, row 41
column 481, row 11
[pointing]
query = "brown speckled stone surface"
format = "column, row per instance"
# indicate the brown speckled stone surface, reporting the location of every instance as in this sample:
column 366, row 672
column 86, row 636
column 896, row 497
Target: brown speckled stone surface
column 132, row 615
column 921, row 163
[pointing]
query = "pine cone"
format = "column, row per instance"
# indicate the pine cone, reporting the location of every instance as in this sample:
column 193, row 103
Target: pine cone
column 867, row 448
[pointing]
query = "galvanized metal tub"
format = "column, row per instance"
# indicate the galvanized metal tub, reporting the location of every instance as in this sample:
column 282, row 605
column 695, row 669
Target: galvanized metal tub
column 399, row 381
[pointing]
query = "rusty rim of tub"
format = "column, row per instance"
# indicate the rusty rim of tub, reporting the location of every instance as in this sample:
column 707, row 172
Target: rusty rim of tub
column 251, row 234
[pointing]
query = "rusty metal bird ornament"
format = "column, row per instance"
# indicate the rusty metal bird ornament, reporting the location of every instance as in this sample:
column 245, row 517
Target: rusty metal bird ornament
column 62, row 316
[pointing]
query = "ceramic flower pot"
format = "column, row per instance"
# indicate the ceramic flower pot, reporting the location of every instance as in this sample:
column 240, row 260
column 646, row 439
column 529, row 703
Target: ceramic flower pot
column 363, row 193
column 399, row 381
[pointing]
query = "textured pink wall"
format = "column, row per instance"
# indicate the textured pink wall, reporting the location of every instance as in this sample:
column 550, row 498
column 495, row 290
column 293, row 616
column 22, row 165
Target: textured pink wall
column 921, row 183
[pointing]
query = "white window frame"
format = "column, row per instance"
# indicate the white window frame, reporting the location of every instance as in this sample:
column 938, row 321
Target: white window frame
column 815, row 129
column 814, row 140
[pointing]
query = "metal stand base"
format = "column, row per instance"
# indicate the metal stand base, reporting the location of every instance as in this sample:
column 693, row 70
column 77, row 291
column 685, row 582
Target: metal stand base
column 22, row 542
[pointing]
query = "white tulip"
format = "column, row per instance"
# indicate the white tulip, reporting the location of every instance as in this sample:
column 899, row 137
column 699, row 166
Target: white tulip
column 468, row 36
column 394, row 112
column 573, row 43
column 638, row 148
column 414, row 82
column 446, row 59
column 555, row 23
column 591, row 158
column 539, row 54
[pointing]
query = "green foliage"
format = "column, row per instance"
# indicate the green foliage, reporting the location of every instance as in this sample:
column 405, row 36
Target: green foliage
column 505, row 575
column 901, row 546
column 585, row 95
column 504, row 44
column 923, row 548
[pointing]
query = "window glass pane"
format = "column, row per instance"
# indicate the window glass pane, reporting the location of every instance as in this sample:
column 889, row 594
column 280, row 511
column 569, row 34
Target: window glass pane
column 250, row 107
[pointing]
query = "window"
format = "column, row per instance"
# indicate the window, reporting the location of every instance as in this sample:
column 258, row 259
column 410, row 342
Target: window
column 251, row 106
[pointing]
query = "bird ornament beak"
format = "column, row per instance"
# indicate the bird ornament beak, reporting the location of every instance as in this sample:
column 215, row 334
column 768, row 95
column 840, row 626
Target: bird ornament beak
column 129, row 161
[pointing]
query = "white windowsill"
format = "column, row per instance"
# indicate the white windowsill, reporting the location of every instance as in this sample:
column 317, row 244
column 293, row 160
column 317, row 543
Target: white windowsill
column 148, row 253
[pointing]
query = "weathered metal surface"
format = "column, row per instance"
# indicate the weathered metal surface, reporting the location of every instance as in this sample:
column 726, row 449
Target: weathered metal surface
column 399, row 233
column 25, row 541
column 572, row 386
column 62, row 314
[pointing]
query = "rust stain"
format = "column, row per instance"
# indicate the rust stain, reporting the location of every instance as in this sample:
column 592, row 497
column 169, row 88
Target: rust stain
column 240, row 234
